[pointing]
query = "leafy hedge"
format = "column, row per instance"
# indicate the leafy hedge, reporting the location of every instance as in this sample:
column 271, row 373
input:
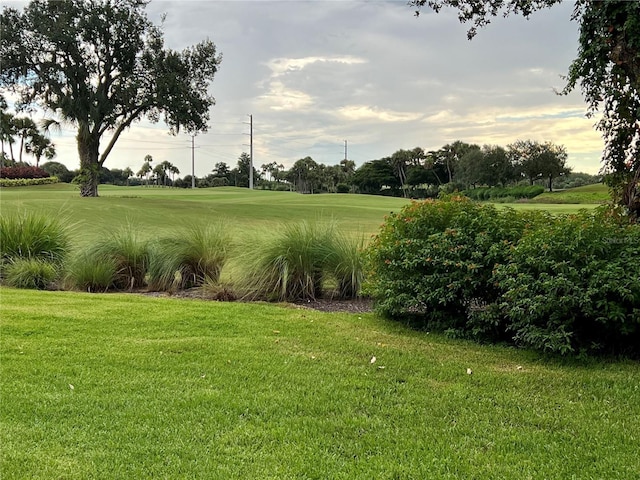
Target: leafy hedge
column 491, row 193
column 573, row 284
column 561, row 284
column 25, row 182
column 22, row 172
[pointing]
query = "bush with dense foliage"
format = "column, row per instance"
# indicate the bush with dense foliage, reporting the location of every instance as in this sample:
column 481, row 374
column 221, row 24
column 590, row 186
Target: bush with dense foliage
column 434, row 260
column 564, row 284
column 22, row 172
column 27, row 182
column 573, row 285
column 493, row 193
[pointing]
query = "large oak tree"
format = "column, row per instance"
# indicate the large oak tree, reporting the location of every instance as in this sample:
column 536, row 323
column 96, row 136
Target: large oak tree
column 101, row 65
column 607, row 68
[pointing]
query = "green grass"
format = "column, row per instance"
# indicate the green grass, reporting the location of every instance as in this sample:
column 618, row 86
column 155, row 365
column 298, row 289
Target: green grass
column 125, row 386
column 589, row 194
column 156, row 211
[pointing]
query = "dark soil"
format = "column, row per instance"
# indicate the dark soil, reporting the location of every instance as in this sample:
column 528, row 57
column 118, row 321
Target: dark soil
column 359, row 305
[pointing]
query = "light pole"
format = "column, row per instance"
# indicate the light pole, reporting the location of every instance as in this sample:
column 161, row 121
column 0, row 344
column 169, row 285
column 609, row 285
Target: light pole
column 193, row 163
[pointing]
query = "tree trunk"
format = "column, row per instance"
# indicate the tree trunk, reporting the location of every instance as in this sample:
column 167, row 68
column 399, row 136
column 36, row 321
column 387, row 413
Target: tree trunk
column 89, row 165
column 550, row 183
column 631, row 198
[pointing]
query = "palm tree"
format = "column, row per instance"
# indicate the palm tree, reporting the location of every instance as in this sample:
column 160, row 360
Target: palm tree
column 174, row 171
column 145, row 170
column 159, row 173
column 25, row 128
column 7, row 132
column 129, row 173
column 39, row 145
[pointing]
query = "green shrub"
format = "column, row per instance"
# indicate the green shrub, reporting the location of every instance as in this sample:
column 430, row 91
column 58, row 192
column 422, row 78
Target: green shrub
column 91, row 273
column 434, row 260
column 32, row 235
column 498, row 193
column 27, row 182
column 573, row 285
column 291, row 263
column 343, row 188
column 188, row 257
column 31, row 273
column 561, row 284
column 128, row 252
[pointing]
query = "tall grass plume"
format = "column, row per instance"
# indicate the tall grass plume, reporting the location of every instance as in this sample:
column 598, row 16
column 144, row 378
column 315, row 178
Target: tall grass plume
column 295, row 262
column 128, row 252
column 189, row 257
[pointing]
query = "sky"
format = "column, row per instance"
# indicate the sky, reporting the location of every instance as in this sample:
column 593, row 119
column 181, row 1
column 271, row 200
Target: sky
column 368, row 77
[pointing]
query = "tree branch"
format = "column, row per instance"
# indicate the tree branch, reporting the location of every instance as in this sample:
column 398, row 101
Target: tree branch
column 119, row 130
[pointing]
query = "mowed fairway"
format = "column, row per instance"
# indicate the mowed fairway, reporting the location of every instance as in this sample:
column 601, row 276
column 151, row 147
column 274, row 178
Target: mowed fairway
column 157, row 210
column 125, row 386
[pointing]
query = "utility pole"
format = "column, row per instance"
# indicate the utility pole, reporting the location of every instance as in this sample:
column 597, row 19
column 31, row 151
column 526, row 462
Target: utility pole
column 193, row 163
column 250, row 151
column 345, row 150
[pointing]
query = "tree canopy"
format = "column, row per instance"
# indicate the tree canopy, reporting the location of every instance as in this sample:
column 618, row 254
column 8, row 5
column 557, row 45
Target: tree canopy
column 101, row 66
column 607, row 68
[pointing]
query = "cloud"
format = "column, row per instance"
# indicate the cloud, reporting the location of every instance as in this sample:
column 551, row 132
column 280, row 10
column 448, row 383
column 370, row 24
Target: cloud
column 281, row 66
column 364, row 112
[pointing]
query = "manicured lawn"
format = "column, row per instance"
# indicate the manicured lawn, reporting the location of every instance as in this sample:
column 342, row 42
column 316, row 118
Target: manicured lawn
column 589, row 194
column 126, row 386
column 555, row 208
column 157, row 210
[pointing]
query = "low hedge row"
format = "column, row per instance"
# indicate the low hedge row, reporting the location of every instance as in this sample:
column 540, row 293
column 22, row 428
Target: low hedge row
column 490, row 193
column 563, row 284
column 22, row 172
column 25, row 182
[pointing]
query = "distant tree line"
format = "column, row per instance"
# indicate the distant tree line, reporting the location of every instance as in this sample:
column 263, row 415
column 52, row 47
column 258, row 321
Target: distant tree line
column 414, row 173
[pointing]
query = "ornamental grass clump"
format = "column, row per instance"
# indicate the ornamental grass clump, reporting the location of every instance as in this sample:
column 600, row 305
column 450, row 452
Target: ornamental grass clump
column 345, row 263
column 91, row 273
column 33, row 273
column 128, row 252
column 290, row 264
column 33, row 235
column 33, row 248
column 189, row 257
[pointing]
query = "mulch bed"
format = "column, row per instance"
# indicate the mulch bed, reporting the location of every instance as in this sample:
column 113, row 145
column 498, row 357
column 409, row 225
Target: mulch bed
column 360, row 305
